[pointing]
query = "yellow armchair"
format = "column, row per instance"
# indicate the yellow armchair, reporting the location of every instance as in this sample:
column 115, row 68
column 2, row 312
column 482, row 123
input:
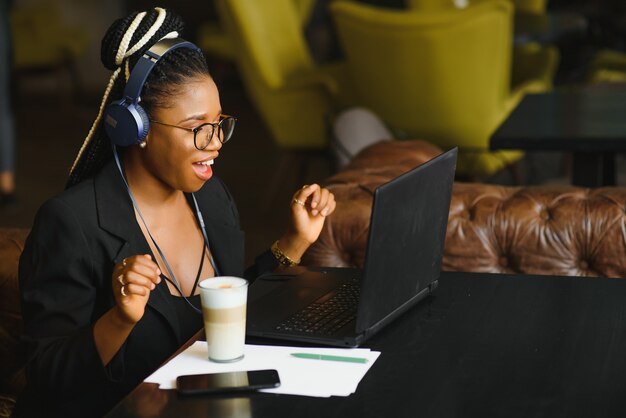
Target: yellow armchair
column 431, row 5
column 292, row 95
column 534, row 65
column 294, row 98
column 442, row 76
column 213, row 39
column 608, row 66
column 531, row 6
column 525, row 6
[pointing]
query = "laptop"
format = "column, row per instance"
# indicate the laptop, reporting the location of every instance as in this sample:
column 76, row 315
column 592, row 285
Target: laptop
column 344, row 307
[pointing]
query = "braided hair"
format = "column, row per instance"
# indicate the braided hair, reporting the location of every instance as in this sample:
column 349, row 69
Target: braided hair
column 123, row 44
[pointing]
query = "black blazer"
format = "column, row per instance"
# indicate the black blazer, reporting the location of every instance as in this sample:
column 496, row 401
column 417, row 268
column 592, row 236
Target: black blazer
column 65, row 279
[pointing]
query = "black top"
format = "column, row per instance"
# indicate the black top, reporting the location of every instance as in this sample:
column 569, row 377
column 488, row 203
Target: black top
column 65, row 276
column 189, row 320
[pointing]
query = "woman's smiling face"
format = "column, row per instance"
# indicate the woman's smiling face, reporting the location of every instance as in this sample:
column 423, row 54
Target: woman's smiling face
column 171, row 156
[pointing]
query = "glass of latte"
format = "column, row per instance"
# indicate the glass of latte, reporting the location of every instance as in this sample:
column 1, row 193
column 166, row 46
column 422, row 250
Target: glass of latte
column 224, row 312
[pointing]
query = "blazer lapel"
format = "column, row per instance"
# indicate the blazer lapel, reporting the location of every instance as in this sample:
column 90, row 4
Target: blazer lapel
column 226, row 240
column 117, row 216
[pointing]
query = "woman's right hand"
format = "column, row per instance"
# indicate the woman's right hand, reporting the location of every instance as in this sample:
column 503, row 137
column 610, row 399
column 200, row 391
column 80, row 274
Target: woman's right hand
column 133, row 280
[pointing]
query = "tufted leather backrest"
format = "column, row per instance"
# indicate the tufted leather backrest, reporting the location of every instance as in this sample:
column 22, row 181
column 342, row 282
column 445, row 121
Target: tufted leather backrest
column 11, row 246
column 556, row 230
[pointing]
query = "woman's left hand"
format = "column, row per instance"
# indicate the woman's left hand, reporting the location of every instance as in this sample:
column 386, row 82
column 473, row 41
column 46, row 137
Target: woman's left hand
column 310, row 206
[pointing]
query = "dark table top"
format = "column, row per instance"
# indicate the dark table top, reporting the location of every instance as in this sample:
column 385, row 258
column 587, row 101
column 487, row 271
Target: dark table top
column 591, row 118
column 483, row 345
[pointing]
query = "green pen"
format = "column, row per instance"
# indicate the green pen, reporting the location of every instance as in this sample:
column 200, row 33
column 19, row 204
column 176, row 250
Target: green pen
column 331, row 358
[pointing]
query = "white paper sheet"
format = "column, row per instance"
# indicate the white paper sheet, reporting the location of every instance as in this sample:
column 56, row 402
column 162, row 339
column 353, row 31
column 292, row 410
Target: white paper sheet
column 320, row 378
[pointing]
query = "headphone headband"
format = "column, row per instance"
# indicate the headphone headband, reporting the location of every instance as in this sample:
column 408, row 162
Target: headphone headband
column 125, row 121
column 146, row 63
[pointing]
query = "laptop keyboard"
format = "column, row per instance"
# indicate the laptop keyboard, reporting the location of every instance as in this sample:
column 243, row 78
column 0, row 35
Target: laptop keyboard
column 328, row 314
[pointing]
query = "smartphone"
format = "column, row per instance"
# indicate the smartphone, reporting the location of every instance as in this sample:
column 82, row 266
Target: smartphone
column 227, row 382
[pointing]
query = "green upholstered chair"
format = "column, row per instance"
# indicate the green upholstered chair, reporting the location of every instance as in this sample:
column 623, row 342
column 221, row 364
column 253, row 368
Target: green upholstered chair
column 534, row 65
column 431, row 5
column 294, row 97
column 532, row 60
column 442, row 76
column 524, row 6
column 608, row 66
column 531, row 6
column 214, row 40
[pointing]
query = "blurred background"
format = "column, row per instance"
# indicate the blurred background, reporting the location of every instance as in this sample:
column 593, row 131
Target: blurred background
column 446, row 71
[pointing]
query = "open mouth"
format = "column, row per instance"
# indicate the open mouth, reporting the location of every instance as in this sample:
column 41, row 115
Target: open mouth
column 203, row 169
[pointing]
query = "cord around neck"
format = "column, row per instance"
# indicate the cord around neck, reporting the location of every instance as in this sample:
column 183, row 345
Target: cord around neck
column 200, row 219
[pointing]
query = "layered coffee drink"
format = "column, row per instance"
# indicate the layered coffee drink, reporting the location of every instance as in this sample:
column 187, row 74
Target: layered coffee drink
column 224, row 313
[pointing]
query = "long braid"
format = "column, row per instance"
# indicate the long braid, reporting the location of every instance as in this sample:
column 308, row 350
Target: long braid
column 96, row 122
column 141, row 30
column 121, row 54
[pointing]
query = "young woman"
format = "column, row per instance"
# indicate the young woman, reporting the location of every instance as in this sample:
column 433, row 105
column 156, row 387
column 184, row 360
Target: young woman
column 109, row 273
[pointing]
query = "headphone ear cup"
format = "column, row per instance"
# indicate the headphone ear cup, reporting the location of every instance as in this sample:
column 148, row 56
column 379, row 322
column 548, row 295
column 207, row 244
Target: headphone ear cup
column 144, row 128
column 126, row 124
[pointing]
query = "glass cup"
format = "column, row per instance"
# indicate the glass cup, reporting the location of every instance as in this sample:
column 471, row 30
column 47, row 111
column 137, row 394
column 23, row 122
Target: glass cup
column 224, row 302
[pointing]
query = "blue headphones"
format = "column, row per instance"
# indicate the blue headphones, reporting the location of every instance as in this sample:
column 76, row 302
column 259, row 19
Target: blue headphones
column 125, row 121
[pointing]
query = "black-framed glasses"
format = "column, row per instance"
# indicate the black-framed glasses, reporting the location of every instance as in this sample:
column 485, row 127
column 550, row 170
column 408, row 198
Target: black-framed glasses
column 203, row 134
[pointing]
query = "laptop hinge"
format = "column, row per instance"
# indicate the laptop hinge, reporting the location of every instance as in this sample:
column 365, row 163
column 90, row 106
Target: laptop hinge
column 401, row 309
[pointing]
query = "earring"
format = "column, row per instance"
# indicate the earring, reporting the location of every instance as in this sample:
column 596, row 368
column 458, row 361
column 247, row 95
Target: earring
column 143, row 144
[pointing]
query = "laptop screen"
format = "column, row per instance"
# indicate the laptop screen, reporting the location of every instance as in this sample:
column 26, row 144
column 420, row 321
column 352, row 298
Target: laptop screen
column 406, row 238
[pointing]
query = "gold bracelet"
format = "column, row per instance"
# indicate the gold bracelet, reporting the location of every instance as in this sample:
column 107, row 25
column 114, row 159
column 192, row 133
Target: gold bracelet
column 283, row 258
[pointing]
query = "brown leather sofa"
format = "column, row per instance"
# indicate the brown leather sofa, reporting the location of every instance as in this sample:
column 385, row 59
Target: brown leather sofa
column 535, row 230
column 555, row 230
column 11, row 377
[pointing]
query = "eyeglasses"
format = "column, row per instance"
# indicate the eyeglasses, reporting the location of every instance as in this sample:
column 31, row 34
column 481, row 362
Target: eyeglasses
column 203, row 134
